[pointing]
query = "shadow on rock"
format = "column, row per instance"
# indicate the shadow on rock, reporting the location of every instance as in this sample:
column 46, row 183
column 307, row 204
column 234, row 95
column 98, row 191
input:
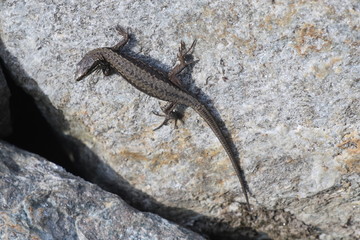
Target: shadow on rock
column 39, row 127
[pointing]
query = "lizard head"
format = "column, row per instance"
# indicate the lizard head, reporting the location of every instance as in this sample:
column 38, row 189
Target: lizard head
column 90, row 62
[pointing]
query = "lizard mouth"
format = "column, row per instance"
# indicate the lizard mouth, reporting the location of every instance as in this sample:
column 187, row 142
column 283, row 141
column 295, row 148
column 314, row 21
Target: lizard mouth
column 84, row 68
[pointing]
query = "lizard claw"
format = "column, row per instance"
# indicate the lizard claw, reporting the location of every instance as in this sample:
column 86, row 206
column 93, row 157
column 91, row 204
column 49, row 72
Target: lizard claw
column 183, row 52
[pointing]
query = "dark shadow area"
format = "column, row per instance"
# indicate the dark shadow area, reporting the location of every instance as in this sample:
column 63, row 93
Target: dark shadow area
column 103, row 175
column 31, row 131
column 5, row 119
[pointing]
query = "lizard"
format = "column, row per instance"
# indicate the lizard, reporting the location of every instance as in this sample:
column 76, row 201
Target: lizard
column 159, row 84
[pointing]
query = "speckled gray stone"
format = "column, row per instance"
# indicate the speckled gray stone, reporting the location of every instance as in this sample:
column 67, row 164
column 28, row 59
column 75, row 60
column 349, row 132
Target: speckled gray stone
column 5, row 124
column 283, row 76
column 39, row 200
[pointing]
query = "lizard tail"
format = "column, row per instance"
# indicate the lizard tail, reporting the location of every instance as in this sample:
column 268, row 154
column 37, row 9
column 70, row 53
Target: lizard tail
column 226, row 143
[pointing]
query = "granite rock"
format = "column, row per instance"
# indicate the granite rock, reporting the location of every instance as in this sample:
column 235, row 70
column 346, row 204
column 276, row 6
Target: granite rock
column 282, row 75
column 40, row 200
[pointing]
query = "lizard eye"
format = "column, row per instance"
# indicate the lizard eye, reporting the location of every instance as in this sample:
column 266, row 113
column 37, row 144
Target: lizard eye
column 85, row 67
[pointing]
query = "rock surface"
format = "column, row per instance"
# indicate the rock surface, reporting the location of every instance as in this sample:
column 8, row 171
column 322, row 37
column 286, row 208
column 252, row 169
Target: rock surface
column 5, row 124
column 283, row 76
column 39, row 200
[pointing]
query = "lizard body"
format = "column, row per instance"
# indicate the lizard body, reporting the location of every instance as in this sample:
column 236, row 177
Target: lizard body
column 158, row 84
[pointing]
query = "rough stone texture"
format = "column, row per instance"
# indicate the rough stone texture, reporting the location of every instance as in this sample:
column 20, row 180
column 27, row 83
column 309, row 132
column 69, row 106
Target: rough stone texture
column 39, row 200
column 5, row 124
column 283, row 76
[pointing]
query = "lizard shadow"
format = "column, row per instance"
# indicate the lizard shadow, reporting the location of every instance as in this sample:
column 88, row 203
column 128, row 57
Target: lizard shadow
column 88, row 165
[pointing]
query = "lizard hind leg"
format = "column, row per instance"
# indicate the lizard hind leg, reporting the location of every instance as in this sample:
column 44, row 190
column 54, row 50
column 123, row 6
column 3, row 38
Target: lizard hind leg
column 169, row 114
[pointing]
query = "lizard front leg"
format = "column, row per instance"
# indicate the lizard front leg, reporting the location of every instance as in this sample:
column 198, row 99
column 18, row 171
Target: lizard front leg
column 126, row 37
column 106, row 68
column 183, row 52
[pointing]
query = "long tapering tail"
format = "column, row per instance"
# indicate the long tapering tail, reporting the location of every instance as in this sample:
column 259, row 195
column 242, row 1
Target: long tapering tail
column 226, row 143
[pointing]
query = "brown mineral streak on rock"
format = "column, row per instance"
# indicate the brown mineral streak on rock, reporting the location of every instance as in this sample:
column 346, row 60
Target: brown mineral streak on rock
column 353, row 164
column 132, row 155
column 351, row 157
column 352, row 144
column 310, row 39
column 161, row 160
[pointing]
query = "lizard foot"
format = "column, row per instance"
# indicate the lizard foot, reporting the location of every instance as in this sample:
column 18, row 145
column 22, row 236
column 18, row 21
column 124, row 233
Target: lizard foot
column 169, row 114
column 173, row 115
